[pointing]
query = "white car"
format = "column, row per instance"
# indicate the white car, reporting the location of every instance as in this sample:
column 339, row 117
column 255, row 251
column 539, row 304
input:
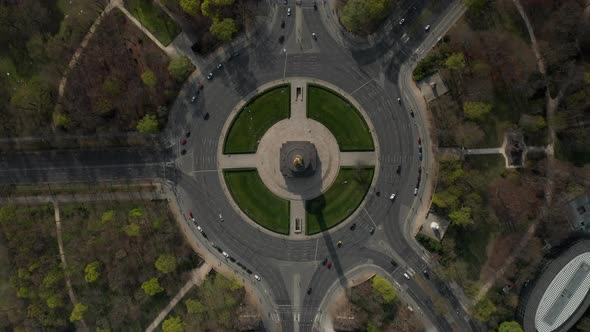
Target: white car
column 193, row 98
column 407, row 276
column 392, row 197
column 415, row 191
column 219, row 66
column 288, row 11
column 220, row 217
column 401, row 22
column 225, row 254
column 256, row 277
column 200, row 229
column 426, row 28
column 210, row 76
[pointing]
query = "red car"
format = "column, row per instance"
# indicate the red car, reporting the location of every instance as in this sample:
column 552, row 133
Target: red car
column 190, row 214
column 419, row 140
column 329, row 265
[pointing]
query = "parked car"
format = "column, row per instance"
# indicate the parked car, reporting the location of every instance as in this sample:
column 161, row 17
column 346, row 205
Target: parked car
column 392, row 197
column 209, row 76
column 193, row 98
column 325, row 261
column 219, row 66
column 415, row 191
column 427, row 28
column 183, row 141
column 288, row 11
column 401, row 22
column 220, row 217
column 407, row 276
column 372, row 230
column 225, row 254
column 257, row 277
column 200, row 229
column 329, row 265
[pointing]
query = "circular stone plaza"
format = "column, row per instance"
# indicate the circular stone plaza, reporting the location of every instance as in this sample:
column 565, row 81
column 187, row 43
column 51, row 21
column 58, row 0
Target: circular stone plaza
column 559, row 296
column 297, row 158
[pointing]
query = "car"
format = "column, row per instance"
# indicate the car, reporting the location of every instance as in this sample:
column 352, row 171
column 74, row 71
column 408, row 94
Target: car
column 419, row 148
column 213, row 245
column 209, row 76
column 225, row 254
column 183, row 141
column 200, row 229
column 235, row 54
column 420, row 140
column 193, row 98
column 325, row 261
column 401, row 22
column 339, row 244
column 314, row 36
column 399, row 101
column 183, row 152
column 392, row 197
column 232, row 259
column 190, row 214
column 420, row 156
column 285, row 2
column 200, row 86
column 412, row 113
column 220, row 250
column 427, row 28
column 204, row 235
column 407, row 276
column 187, row 133
column 329, row 265
column 281, row 39
column 353, row 227
column 415, row 191
column 206, row 116
column 219, row 66
column 425, row 272
column 220, row 217
column 309, row 291
column 399, row 169
column 257, row 277
column 372, row 230
column 394, row 263
column 249, row 271
column 288, row 11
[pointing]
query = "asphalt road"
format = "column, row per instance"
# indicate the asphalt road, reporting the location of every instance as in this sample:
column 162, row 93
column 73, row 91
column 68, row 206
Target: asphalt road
column 288, row 268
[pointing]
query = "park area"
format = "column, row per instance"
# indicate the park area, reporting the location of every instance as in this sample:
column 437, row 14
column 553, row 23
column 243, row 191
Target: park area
column 257, row 201
column 153, row 18
column 255, row 118
column 339, row 201
column 340, row 117
column 121, row 77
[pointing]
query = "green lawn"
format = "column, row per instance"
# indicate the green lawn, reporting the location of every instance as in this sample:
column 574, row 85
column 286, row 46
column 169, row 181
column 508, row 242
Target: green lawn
column 340, row 201
column 340, row 117
column 154, row 19
column 261, row 113
column 259, row 203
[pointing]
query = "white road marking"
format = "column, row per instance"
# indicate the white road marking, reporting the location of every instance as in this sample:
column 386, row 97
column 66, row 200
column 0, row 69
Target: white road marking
column 360, row 87
column 205, row 171
column 367, row 212
column 316, row 249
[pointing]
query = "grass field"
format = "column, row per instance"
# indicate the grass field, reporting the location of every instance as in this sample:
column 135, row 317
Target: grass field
column 259, row 203
column 340, row 201
column 341, row 118
column 154, row 19
column 256, row 118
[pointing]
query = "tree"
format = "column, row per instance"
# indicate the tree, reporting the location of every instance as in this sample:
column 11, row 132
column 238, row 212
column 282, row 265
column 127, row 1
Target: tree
column 148, row 124
column 445, row 199
column 469, row 134
column 461, row 217
column 152, row 287
column 149, row 78
column 132, row 229
column 510, row 327
column 223, row 29
column 92, row 272
column 108, row 216
column 54, row 301
column 191, row 7
column 195, row 306
column 61, row 120
column 476, row 110
column 532, row 123
column 384, row 288
column 180, row 68
column 173, row 324
column 484, row 310
column 78, row 312
column 455, row 61
column 212, row 8
column 363, row 15
column 475, row 5
column 135, row 213
column 166, row 263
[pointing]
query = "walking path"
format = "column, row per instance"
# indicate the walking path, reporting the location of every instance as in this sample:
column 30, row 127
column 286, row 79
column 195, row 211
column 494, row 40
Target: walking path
column 198, row 276
column 64, row 263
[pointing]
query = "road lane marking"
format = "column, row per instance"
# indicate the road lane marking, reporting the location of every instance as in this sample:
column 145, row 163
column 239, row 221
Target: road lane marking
column 360, row 87
column 367, row 212
column 315, row 256
column 205, row 171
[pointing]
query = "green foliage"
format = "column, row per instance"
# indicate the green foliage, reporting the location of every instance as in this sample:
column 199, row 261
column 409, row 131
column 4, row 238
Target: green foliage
column 445, row 199
column 112, row 86
column 132, row 230
column 78, row 312
column 108, row 216
column 24, row 292
column 484, row 310
column 149, row 78
column 61, row 120
column 136, row 213
column 223, row 29
column 180, row 68
column 54, row 301
column 173, row 324
column 384, row 288
column 195, row 306
column 429, row 65
column 363, row 15
column 476, row 110
column 475, row 5
column 461, row 217
column 148, row 124
column 191, row 7
column 213, row 8
column 372, row 327
column 429, row 243
column 153, row 18
column 52, row 278
column 510, row 327
column 455, row 61
column 92, row 272
column 166, row 263
column 533, row 123
column 152, row 287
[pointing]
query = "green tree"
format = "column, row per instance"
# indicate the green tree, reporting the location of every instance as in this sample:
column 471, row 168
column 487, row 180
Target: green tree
column 212, row 8
column 475, row 5
column 484, row 310
column 112, row 86
column 384, row 288
column 132, row 229
column 52, row 278
column 152, row 287
column 195, row 306
column 445, row 199
column 475, row 110
column 461, row 217
column 54, row 301
column 455, row 61
column 173, row 324
column 191, row 7
column 148, row 124
column 363, row 15
column 61, row 120
column 166, row 263
column 136, row 213
column 92, row 272
column 24, row 292
column 108, row 216
column 533, row 123
column 149, row 78
column 180, row 68
column 78, row 312
column 510, row 327
column 223, row 29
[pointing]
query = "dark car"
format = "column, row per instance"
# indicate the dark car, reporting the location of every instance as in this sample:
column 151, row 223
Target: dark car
column 281, row 39
column 206, row 116
column 399, row 169
column 426, row 274
column 183, row 141
column 325, row 261
column 183, row 152
column 187, row 133
column 372, row 230
column 353, row 227
column 309, row 291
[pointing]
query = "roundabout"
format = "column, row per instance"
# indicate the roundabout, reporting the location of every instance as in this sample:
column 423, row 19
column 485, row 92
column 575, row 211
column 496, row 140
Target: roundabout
column 299, row 159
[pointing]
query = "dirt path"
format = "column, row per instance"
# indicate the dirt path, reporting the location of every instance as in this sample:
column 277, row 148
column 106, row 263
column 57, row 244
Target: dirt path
column 64, row 263
column 198, row 275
